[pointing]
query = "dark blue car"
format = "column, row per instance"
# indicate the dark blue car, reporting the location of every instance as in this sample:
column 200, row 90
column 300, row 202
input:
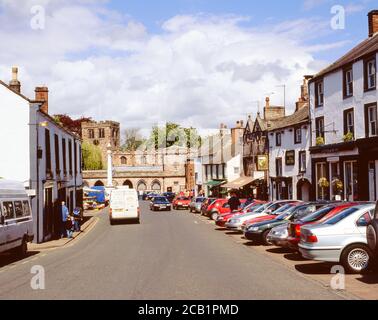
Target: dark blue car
column 160, row 203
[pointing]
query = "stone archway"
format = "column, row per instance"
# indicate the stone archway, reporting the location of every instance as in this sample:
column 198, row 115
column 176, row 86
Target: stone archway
column 99, row 183
column 303, row 190
column 156, row 186
column 142, row 185
column 128, row 183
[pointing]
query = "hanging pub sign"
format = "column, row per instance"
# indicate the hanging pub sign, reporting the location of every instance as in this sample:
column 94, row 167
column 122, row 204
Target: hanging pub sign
column 262, row 163
column 290, row 158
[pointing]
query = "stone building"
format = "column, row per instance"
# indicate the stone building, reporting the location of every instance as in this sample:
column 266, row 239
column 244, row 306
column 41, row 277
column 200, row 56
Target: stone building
column 146, row 169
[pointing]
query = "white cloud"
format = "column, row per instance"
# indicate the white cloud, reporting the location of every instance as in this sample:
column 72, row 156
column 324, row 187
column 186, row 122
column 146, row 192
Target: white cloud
column 200, row 70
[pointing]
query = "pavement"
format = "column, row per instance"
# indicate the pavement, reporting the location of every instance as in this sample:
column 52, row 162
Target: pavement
column 170, row 255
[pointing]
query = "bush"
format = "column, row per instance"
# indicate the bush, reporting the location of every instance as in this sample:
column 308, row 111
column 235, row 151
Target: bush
column 348, row 137
column 319, row 141
column 92, row 158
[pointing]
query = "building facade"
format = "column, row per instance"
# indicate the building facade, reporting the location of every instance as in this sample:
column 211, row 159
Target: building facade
column 343, row 104
column 289, row 158
column 42, row 154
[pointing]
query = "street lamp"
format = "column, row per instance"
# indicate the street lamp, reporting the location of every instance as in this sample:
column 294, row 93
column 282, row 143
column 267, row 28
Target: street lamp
column 110, row 166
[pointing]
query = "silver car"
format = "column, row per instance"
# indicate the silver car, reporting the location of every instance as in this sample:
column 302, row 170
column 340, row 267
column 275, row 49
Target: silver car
column 341, row 239
column 278, row 235
column 196, row 204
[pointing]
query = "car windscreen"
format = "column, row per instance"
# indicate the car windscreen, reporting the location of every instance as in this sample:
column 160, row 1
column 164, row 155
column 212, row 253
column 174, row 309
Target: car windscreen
column 341, row 215
column 317, row 214
column 200, row 200
column 259, row 208
column 282, row 209
column 160, row 199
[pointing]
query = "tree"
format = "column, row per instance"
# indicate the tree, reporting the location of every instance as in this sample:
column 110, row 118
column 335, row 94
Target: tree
column 92, row 157
column 174, row 134
column 133, row 139
column 73, row 125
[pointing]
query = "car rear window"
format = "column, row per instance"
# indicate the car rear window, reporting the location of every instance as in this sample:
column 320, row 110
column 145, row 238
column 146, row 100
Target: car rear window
column 318, row 214
column 341, row 215
column 283, row 209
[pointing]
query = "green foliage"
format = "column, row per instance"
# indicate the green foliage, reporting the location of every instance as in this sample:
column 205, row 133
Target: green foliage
column 133, row 140
column 319, row 141
column 173, row 134
column 92, row 158
column 348, row 137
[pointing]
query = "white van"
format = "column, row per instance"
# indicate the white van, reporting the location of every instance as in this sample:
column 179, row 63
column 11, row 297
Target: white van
column 124, row 205
column 16, row 221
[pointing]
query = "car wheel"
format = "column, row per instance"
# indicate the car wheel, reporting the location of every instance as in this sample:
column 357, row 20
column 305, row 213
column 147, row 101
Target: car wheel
column 214, row 216
column 355, row 258
column 372, row 233
column 264, row 237
column 22, row 249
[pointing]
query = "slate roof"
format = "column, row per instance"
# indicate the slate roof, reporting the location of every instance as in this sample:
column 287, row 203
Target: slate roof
column 366, row 47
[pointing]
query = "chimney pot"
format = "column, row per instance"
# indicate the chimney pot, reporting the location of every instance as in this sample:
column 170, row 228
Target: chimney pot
column 14, row 84
column 42, row 95
column 373, row 22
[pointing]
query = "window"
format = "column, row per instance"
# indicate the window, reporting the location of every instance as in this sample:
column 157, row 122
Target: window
column 340, row 216
column 70, row 155
column 298, row 135
column 349, row 121
column 91, row 134
column 64, row 156
column 319, row 126
column 57, row 154
column 371, row 120
column 48, row 152
column 319, row 94
column 278, row 139
column 101, row 133
column 8, row 210
column 348, row 83
column 302, row 161
column 123, row 160
column 279, row 167
column 351, row 180
column 26, row 208
column 18, row 209
column 370, row 74
column 364, row 220
column 322, row 191
column 236, row 170
column 75, row 157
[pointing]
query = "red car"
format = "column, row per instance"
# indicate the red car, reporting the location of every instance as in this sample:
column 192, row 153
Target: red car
column 223, row 218
column 219, row 207
column 294, row 228
column 181, row 203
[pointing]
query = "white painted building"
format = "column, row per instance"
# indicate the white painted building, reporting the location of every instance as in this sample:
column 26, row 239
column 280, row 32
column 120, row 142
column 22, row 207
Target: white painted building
column 289, row 159
column 41, row 154
column 343, row 105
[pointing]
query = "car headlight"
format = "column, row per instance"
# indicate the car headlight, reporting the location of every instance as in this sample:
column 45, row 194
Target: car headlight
column 253, row 229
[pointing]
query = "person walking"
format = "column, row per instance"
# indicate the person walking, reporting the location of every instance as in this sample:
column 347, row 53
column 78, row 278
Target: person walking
column 77, row 219
column 234, row 202
column 64, row 215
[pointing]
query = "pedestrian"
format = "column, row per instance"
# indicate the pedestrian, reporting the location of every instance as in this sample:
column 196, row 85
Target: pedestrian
column 64, row 214
column 70, row 223
column 77, row 219
column 234, row 202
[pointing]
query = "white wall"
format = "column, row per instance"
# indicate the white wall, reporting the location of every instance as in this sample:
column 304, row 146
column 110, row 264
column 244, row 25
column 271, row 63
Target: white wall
column 233, row 163
column 14, row 136
column 335, row 104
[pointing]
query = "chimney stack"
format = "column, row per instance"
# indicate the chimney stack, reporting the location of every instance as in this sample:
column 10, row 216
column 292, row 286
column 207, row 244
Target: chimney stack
column 42, row 95
column 373, row 22
column 14, row 84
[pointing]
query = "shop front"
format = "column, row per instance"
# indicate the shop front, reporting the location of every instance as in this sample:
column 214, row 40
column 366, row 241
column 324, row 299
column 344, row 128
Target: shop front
column 336, row 172
column 282, row 188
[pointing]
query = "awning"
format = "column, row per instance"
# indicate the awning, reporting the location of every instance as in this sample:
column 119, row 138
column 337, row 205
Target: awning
column 240, row 182
column 215, row 183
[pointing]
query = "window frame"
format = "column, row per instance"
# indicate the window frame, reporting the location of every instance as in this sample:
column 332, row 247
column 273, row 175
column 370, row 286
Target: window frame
column 367, row 76
column 279, row 161
column 278, row 139
column 348, row 112
column 296, row 140
column 320, row 133
column 319, row 94
column 348, row 87
column 368, row 127
column 300, row 154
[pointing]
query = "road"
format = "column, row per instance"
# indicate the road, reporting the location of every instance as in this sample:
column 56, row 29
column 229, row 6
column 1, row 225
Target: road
column 170, row 255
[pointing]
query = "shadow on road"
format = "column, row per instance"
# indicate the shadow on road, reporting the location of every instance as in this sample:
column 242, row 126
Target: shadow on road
column 220, row 229
column 370, row 278
column 252, row 244
column 294, row 256
column 314, row 268
column 233, row 233
column 9, row 258
column 279, row 250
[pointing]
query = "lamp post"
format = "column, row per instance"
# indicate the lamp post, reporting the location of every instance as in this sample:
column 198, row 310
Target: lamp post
column 110, row 166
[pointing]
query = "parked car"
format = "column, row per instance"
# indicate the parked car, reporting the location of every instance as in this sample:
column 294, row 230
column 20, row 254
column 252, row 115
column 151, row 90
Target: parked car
column 181, row 203
column 213, row 209
column 222, row 219
column 196, row 204
column 278, row 235
column 225, row 209
column 259, row 231
column 151, row 195
column 160, row 203
column 16, row 219
column 341, row 239
column 169, row 195
column 206, row 204
column 294, row 228
column 372, row 233
column 266, row 209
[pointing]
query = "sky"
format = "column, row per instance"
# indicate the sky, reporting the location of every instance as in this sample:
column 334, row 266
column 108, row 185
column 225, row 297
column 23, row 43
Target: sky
column 195, row 62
